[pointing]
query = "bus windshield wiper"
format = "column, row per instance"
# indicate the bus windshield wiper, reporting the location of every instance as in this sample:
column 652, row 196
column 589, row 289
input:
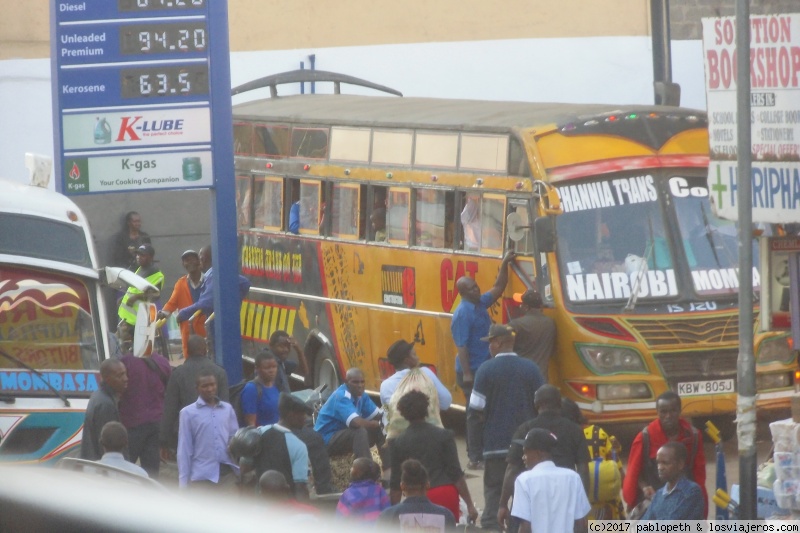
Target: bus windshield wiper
column 709, row 237
column 41, row 376
column 648, row 250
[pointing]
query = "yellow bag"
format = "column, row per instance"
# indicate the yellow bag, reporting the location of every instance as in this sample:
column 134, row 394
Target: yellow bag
column 605, row 481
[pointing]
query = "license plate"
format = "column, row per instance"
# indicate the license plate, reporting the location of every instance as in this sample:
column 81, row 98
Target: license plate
column 697, row 388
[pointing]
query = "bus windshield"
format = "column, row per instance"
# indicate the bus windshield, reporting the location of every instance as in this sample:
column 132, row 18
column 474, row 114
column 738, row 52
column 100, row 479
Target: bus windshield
column 46, row 321
column 33, row 236
column 614, row 239
column 712, row 243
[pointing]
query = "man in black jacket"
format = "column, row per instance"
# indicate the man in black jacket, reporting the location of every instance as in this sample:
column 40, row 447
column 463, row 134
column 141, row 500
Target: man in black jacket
column 103, row 407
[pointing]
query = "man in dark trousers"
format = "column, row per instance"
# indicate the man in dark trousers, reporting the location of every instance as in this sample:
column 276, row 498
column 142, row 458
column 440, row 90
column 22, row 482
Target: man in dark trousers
column 103, row 407
column 182, row 391
column 536, row 333
column 469, row 324
column 572, row 451
column 350, row 422
column 502, row 399
column 142, row 405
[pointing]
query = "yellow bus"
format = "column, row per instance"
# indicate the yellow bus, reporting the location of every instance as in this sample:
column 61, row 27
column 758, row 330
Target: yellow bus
column 637, row 272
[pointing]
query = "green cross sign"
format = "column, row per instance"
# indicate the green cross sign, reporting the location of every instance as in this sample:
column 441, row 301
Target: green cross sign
column 719, row 188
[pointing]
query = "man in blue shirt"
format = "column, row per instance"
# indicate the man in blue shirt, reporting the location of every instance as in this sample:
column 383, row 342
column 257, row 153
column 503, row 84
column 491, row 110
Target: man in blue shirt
column 204, row 431
column 471, row 322
column 679, row 499
column 503, row 398
column 205, row 302
column 350, row 421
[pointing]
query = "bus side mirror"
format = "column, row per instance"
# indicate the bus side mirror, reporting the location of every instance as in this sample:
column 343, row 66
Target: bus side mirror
column 545, row 234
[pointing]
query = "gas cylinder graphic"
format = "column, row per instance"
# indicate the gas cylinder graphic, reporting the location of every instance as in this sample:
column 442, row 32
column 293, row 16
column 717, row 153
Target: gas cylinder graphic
column 102, row 131
column 192, row 169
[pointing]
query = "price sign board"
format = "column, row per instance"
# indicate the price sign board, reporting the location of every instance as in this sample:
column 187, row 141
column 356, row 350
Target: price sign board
column 134, row 93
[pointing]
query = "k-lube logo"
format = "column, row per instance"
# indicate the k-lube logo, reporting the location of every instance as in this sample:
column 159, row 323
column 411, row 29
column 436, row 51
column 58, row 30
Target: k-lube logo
column 398, row 284
column 133, row 128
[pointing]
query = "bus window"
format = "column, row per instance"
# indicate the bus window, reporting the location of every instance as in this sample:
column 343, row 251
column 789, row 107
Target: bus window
column 471, row 222
column 271, row 141
column 392, row 147
column 243, row 190
column 493, row 210
column 430, row 218
column 484, row 152
column 268, row 206
column 398, row 203
column 310, row 143
column 346, row 210
column 520, row 207
column 377, row 214
column 243, row 138
column 436, row 150
column 350, row 144
column 310, row 205
column 517, row 159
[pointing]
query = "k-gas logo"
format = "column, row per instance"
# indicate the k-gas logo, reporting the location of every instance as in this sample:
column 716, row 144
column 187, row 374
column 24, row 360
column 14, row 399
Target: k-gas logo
column 133, row 128
column 398, row 285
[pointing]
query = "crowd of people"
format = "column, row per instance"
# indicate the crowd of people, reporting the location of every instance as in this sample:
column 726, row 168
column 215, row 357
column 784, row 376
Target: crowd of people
column 544, row 469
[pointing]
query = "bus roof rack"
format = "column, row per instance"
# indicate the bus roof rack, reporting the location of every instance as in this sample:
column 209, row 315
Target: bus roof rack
column 300, row 76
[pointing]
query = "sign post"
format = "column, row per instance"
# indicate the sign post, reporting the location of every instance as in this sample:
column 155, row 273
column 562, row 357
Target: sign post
column 142, row 102
column 754, row 169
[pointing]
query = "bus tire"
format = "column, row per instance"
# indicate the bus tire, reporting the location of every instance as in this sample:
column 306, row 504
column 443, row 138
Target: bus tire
column 326, row 370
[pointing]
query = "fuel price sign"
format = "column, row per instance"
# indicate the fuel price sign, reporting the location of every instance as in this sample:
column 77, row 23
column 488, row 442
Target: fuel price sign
column 133, row 93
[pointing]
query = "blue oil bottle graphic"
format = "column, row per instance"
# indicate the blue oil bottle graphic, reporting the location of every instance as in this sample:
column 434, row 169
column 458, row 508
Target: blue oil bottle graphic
column 102, row 131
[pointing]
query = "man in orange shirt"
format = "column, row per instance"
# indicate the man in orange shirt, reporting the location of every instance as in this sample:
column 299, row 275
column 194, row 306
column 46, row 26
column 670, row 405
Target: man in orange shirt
column 186, row 292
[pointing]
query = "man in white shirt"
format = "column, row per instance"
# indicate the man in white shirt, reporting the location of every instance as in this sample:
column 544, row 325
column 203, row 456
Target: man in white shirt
column 114, row 440
column 548, row 498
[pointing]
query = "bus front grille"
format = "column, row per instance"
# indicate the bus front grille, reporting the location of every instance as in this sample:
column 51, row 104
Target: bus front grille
column 694, row 366
column 687, row 330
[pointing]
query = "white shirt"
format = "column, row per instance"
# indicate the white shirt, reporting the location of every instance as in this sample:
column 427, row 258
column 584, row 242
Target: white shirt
column 117, row 460
column 551, row 498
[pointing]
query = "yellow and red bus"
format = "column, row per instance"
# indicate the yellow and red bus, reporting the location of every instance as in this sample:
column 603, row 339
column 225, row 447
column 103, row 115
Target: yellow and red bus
column 637, row 272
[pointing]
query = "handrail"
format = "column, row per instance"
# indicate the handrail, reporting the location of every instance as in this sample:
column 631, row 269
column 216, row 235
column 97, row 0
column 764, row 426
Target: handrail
column 299, row 76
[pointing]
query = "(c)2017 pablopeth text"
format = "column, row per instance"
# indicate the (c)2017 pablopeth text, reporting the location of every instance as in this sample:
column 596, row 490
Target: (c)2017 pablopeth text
column 694, row 526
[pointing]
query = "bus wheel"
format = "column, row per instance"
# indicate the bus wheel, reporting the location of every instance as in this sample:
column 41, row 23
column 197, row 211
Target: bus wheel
column 326, row 370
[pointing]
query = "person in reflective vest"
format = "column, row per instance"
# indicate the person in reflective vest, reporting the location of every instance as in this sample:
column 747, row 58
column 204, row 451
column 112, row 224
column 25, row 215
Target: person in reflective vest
column 130, row 302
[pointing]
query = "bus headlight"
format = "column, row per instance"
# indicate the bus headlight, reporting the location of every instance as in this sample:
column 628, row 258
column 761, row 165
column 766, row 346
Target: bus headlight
column 605, row 360
column 775, row 351
column 773, row 381
column 623, row 391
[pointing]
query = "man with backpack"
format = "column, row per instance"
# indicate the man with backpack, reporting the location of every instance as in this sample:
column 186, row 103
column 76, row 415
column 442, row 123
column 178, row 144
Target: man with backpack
column 641, row 480
column 410, row 375
column 255, row 388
